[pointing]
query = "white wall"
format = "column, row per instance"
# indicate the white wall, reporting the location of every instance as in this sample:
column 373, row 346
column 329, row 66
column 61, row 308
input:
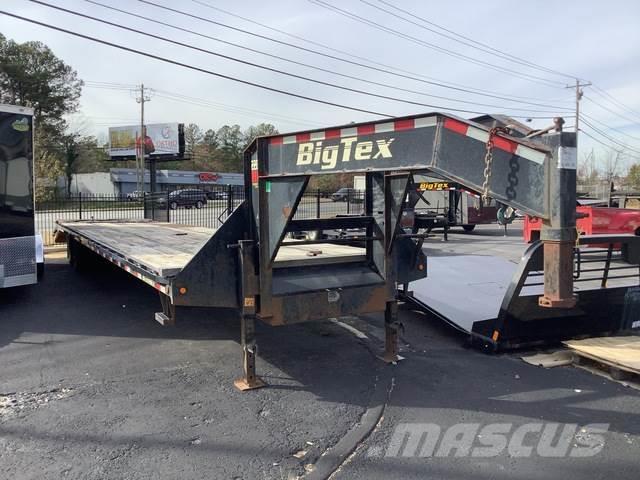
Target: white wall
column 98, row 183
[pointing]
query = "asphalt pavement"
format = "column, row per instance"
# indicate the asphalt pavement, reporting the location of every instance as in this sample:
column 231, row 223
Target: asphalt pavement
column 92, row 388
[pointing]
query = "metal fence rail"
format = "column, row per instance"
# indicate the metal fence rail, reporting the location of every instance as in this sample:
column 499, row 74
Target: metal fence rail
column 188, row 207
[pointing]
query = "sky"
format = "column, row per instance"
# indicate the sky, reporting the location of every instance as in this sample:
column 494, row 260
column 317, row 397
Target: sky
column 595, row 41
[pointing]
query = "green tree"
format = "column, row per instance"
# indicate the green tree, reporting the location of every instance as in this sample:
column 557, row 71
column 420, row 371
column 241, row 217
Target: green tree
column 210, row 140
column 192, row 136
column 259, row 130
column 231, row 142
column 32, row 76
column 633, row 177
column 70, row 154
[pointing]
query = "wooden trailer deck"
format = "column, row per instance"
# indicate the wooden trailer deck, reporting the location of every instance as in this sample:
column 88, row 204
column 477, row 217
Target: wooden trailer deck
column 166, row 248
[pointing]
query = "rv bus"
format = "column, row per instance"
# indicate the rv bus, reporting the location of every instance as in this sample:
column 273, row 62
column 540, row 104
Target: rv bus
column 21, row 249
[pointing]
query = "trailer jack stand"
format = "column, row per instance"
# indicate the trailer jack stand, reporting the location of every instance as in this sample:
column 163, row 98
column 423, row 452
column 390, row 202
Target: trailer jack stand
column 168, row 315
column 391, row 327
column 249, row 379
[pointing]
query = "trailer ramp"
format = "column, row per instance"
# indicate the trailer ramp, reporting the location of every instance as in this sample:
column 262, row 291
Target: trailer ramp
column 495, row 301
column 464, row 289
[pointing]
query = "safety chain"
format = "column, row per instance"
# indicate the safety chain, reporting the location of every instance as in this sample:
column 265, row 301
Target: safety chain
column 488, row 160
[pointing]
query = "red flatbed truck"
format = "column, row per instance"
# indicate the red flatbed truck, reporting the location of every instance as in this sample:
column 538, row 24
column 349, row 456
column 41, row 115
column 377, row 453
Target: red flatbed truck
column 592, row 221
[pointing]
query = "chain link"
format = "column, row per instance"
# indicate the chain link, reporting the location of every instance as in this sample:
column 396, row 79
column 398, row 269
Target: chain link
column 488, row 161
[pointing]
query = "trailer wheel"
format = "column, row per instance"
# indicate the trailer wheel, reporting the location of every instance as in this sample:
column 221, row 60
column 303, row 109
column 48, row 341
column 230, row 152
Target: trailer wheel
column 468, row 228
column 73, row 253
column 173, row 205
column 199, row 204
column 40, row 271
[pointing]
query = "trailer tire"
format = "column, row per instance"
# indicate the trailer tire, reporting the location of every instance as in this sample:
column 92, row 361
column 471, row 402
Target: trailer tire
column 80, row 257
column 40, row 271
column 468, row 228
column 73, row 253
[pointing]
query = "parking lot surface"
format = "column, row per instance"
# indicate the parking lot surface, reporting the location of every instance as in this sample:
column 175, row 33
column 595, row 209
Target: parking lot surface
column 92, row 388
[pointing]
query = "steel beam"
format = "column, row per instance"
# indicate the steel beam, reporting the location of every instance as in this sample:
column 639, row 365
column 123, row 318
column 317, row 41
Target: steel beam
column 559, row 230
column 391, row 334
column 247, row 290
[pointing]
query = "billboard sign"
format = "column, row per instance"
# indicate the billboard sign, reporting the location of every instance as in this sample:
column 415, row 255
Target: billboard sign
column 160, row 139
column 208, row 177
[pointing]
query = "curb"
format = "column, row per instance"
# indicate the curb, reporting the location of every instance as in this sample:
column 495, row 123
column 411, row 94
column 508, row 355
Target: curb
column 333, row 458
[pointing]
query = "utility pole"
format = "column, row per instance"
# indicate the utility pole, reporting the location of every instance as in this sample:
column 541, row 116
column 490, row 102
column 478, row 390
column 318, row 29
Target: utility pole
column 140, row 153
column 579, row 92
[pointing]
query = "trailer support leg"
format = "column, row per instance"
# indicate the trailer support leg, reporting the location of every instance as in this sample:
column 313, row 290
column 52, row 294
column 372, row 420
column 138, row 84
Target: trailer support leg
column 168, row 315
column 558, row 275
column 391, row 327
column 249, row 379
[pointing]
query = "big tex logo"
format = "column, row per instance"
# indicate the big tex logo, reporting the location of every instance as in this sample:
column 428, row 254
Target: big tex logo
column 348, row 149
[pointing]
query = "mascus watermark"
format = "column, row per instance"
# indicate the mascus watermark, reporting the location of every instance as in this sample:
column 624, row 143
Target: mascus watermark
column 490, row 440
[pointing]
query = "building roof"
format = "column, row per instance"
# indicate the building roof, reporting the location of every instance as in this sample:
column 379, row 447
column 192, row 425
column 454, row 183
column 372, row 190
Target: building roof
column 181, row 177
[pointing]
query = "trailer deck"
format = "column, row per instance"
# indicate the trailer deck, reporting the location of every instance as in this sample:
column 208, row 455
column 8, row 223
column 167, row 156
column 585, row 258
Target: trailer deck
column 165, row 249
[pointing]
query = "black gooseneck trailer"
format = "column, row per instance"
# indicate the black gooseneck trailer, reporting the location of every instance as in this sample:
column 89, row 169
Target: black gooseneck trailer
column 253, row 265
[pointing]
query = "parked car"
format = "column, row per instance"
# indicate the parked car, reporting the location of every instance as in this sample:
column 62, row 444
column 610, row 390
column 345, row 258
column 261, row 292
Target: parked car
column 217, row 195
column 189, row 197
column 135, row 196
column 350, row 194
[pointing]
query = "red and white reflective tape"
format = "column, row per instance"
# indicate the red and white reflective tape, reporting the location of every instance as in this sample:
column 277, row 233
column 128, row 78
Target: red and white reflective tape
column 500, row 143
column 394, row 126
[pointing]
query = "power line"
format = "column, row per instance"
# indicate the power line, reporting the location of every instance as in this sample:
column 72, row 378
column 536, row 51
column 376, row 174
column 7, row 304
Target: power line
column 309, row 50
column 613, row 100
column 332, row 72
column 470, row 42
column 602, row 124
column 191, row 67
column 230, row 108
column 441, row 84
column 397, row 33
column 605, row 144
column 105, row 87
column 111, row 84
column 263, row 67
column 205, row 103
column 610, row 110
column 611, row 139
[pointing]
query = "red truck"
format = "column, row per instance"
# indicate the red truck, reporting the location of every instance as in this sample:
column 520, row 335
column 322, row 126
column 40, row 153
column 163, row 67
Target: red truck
column 592, row 220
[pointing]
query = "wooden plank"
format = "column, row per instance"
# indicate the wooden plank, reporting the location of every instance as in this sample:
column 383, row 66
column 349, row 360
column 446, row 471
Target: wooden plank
column 166, row 248
column 161, row 247
column 619, row 352
column 550, row 360
column 321, row 253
